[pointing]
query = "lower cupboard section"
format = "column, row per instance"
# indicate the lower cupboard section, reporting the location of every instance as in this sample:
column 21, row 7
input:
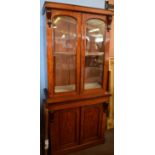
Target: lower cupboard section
column 76, row 128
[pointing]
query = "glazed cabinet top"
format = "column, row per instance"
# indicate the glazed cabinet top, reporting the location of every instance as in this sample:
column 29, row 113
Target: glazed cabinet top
column 77, row 40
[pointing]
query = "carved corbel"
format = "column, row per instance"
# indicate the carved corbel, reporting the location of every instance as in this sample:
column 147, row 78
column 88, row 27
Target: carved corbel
column 48, row 17
column 106, row 108
column 109, row 20
column 51, row 113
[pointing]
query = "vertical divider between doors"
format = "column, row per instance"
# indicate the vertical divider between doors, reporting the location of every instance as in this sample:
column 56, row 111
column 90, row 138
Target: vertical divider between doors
column 79, row 53
column 82, row 54
column 81, row 74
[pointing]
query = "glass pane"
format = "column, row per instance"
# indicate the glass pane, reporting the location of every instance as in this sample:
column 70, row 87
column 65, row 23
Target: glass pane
column 94, row 54
column 65, row 43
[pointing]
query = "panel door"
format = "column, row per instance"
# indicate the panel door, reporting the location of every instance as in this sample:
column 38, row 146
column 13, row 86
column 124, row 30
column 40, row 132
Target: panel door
column 91, row 123
column 64, row 129
column 64, row 54
column 94, row 53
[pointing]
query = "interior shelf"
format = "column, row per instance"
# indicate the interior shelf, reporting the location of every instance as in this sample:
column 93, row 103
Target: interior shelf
column 98, row 68
column 94, row 54
column 92, row 85
column 65, row 88
column 64, row 53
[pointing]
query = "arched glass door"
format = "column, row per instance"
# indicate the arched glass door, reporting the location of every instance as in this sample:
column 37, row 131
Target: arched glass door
column 65, row 48
column 94, row 54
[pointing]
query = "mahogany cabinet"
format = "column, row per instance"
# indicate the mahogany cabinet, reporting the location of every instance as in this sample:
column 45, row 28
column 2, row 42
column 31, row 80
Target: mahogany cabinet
column 77, row 41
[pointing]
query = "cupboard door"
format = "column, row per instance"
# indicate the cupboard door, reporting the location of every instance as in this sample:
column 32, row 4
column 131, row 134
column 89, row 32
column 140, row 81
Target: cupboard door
column 91, row 123
column 94, row 52
column 64, row 129
column 65, row 53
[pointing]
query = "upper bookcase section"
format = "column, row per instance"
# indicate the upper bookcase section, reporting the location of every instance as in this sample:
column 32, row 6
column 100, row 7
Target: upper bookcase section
column 70, row 7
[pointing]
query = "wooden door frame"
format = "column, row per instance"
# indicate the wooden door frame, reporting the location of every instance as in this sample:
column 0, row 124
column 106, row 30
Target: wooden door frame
column 50, row 57
column 85, row 17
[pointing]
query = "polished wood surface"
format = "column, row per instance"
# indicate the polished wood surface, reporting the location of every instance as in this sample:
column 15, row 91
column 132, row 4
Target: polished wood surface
column 64, row 125
column 69, row 129
column 86, row 95
column 111, row 51
column 75, row 111
column 91, row 120
column 49, row 55
column 62, row 6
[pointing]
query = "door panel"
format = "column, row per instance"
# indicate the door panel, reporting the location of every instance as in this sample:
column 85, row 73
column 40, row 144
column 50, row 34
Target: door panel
column 94, row 29
column 65, row 53
column 94, row 54
column 65, row 41
column 65, row 129
column 91, row 121
column 69, row 120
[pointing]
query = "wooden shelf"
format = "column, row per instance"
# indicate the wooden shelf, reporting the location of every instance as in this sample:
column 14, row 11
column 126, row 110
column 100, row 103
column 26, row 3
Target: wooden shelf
column 94, row 54
column 64, row 53
column 92, row 85
column 93, row 67
column 66, row 88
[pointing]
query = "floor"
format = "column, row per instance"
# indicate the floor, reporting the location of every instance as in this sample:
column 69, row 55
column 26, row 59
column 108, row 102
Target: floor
column 105, row 149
